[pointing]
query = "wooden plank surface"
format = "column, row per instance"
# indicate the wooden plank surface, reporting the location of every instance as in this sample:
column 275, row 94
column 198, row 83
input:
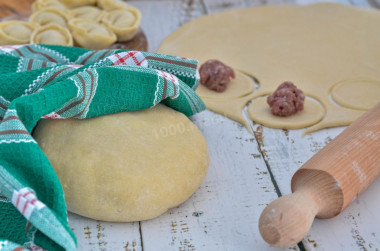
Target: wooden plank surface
column 223, row 213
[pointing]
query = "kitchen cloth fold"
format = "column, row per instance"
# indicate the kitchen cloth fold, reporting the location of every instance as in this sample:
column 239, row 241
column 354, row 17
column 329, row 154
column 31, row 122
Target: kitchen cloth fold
column 57, row 82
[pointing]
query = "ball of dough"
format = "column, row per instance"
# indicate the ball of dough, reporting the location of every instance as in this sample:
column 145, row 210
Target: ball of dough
column 128, row 166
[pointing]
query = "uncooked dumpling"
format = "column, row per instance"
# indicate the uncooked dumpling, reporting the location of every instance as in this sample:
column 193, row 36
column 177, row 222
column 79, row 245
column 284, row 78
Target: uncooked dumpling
column 113, row 4
column 15, row 32
column 52, row 34
column 129, row 166
column 50, row 16
column 41, row 4
column 88, row 12
column 90, row 34
column 78, row 3
column 123, row 22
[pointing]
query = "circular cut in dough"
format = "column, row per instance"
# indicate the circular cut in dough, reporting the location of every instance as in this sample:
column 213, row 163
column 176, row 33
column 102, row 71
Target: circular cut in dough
column 259, row 112
column 357, row 94
column 15, row 32
column 128, row 166
column 52, row 34
column 123, row 22
column 240, row 86
column 50, row 16
column 90, row 34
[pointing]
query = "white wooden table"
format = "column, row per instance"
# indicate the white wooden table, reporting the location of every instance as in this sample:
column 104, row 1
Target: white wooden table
column 246, row 173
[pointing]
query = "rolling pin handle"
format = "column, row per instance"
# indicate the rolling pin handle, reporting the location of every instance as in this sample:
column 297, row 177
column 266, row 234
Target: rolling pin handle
column 286, row 221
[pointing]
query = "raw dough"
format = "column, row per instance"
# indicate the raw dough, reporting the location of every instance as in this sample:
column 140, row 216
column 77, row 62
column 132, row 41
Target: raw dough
column 15, row 32
column 123, row 22
column 260, row 112
column 41, row 4
column 78, row 3
column 91, row 34
column 128, row 166
column 314, row 46
column 52, row 34
column 50, row 16
column 88, row 12
column 357, row 94
column 109, row 5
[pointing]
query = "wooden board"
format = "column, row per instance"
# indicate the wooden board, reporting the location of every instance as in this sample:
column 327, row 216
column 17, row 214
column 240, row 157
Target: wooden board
column 21, row 10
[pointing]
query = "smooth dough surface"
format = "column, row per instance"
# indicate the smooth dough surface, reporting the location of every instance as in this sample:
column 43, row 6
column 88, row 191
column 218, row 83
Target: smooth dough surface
column 314, row 46
column 357, row 94
column 128, row 166
column 260, row 112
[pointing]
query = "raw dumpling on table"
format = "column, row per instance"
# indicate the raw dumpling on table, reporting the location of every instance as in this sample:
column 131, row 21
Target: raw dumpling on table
column 15, row 32
column 52, row 34
column 91, row 34
column 123, row 22
column 50, row 16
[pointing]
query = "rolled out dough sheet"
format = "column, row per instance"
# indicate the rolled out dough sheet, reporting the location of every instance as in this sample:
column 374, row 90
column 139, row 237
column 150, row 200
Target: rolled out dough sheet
column 315, row 46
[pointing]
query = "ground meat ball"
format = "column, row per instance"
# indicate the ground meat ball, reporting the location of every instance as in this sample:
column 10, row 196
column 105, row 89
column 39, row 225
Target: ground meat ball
column 215, row 75
column 286, row 100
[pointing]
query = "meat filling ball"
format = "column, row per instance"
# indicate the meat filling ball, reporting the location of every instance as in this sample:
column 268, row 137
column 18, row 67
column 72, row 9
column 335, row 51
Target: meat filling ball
column 286, row 100
column 215, row 75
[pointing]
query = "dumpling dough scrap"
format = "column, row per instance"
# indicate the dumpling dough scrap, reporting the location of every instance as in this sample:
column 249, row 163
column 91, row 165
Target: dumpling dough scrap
column 90, row 34
column 129, row 166
column 15, row 32
column 123, row 22
column 50, row 16
column 88, row 12
column 41, row 4
column 52, row 34
column 314, row 46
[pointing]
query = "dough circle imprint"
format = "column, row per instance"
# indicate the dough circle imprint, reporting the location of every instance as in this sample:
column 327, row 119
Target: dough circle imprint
column 357, row 94
column 129, row 166
column 314, row 46
column 260, row 112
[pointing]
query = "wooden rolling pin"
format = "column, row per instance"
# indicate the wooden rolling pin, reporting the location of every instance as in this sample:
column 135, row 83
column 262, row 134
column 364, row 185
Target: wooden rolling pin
column 326, row 184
